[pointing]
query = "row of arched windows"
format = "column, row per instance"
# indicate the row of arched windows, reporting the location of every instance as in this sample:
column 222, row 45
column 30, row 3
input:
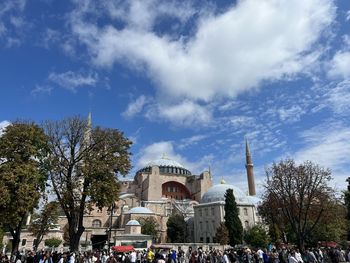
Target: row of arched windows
column 167, row 170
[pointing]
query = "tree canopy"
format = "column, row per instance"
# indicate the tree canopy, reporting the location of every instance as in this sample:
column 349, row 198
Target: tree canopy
column 232, row 221
column 150, row 226
column 83, row 166
column 256, row 236
column 23, row 150
column 296, row 199
column 176, row 229
column 221, row 235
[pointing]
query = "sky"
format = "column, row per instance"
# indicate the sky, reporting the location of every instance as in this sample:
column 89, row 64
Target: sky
column 190, row 79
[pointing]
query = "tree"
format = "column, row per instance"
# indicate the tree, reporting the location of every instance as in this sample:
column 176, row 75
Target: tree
column 221, row 235
column 44, row 221
column 299, row 194
column 332, row 225
column 23, row 149
column 83, row 166
column 176, row 229
column 232, row 221
column 256, row 236
column 347, row 204
column 53, row 242
column 150, row 226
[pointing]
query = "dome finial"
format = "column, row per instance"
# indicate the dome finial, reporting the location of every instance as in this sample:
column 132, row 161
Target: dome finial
column 222, row 180
column 164, row 156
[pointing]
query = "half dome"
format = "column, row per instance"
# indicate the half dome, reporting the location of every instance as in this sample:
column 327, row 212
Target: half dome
column 139, row 210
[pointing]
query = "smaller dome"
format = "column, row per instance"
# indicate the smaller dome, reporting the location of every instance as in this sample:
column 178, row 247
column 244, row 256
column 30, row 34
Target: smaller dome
column 140, row 210
column 217, row 193
column 133, row 223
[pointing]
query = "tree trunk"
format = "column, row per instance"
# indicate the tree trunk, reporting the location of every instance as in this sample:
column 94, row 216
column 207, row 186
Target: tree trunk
column 301, row 244
column 74, row 235
column 16, row 238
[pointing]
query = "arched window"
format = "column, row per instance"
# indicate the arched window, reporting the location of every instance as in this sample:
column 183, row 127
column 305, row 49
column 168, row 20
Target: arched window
column 96, row 223
column 246, row 224
column 245, row 211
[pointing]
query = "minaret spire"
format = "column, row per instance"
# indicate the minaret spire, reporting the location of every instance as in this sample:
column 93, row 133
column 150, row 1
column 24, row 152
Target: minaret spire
column 250, row 169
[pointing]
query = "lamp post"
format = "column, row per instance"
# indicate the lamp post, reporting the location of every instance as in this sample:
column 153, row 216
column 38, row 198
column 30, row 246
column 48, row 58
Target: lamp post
column 110, row 227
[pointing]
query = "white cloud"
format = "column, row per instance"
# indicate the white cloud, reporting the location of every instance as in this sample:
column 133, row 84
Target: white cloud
column 40, row 89
column 193, row 140
column 291, row 114
column 3, row 125
column 12, row 21
column 348, row 15
column 328, row 145
column 72, row 80
column 229, row 53
column 340, row 65
column 185, row 113
column 339, row 98
column 135, row 107
column 156, row 151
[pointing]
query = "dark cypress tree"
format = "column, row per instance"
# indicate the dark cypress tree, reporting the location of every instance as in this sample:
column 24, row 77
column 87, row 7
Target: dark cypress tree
column 232, row 221
column 347, row 204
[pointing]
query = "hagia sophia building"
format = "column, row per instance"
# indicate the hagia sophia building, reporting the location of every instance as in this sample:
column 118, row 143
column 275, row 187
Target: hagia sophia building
column 159, row 189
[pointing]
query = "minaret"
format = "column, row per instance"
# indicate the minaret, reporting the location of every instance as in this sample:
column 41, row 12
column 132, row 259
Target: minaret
column 87, row 134
column 250, row 170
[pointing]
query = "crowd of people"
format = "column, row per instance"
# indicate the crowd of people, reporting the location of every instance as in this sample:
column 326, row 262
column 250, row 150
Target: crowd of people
column 240, row 255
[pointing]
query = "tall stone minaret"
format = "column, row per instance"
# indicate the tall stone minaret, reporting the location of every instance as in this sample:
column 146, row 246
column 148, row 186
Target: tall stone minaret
column 250, row 170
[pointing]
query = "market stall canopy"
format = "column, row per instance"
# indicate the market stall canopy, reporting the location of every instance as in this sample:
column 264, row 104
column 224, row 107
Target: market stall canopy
column 123, row 248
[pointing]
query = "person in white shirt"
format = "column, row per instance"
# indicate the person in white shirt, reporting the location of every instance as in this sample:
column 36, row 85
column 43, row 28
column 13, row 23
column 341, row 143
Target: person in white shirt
column 133, row 257
column 298, row 257
column 72, row 258
column 292, row 259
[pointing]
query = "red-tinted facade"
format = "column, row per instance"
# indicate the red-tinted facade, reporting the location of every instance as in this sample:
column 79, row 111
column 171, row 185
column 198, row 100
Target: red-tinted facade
column 175, row 190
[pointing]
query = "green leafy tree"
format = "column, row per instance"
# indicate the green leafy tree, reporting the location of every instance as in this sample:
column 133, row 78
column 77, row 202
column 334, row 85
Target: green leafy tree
column 83, row 166
column 300, row 195
column 232, row 221
column 256, row 236
column 221, row 235
column 53, row 242
column 331, row 227
column 176, row 229
column 150, row 226
column 44, row 221
column 23, row 149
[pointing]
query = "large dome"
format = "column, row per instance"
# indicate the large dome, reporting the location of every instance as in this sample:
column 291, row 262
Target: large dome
column 166, row 166
column 217, row 192
column 164, row 162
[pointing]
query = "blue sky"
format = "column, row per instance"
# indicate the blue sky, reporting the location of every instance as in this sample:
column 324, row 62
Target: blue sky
column 190, row 79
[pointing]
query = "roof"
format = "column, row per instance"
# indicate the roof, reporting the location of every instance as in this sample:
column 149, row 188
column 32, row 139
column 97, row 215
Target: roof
column 133, row 223
column 217, row 193
column 139, row 210
column 164, row 161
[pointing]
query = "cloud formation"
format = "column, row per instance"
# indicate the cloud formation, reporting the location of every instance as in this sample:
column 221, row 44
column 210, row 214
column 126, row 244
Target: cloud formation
column 72, row 80
column 227, row 53
column 11, row 21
